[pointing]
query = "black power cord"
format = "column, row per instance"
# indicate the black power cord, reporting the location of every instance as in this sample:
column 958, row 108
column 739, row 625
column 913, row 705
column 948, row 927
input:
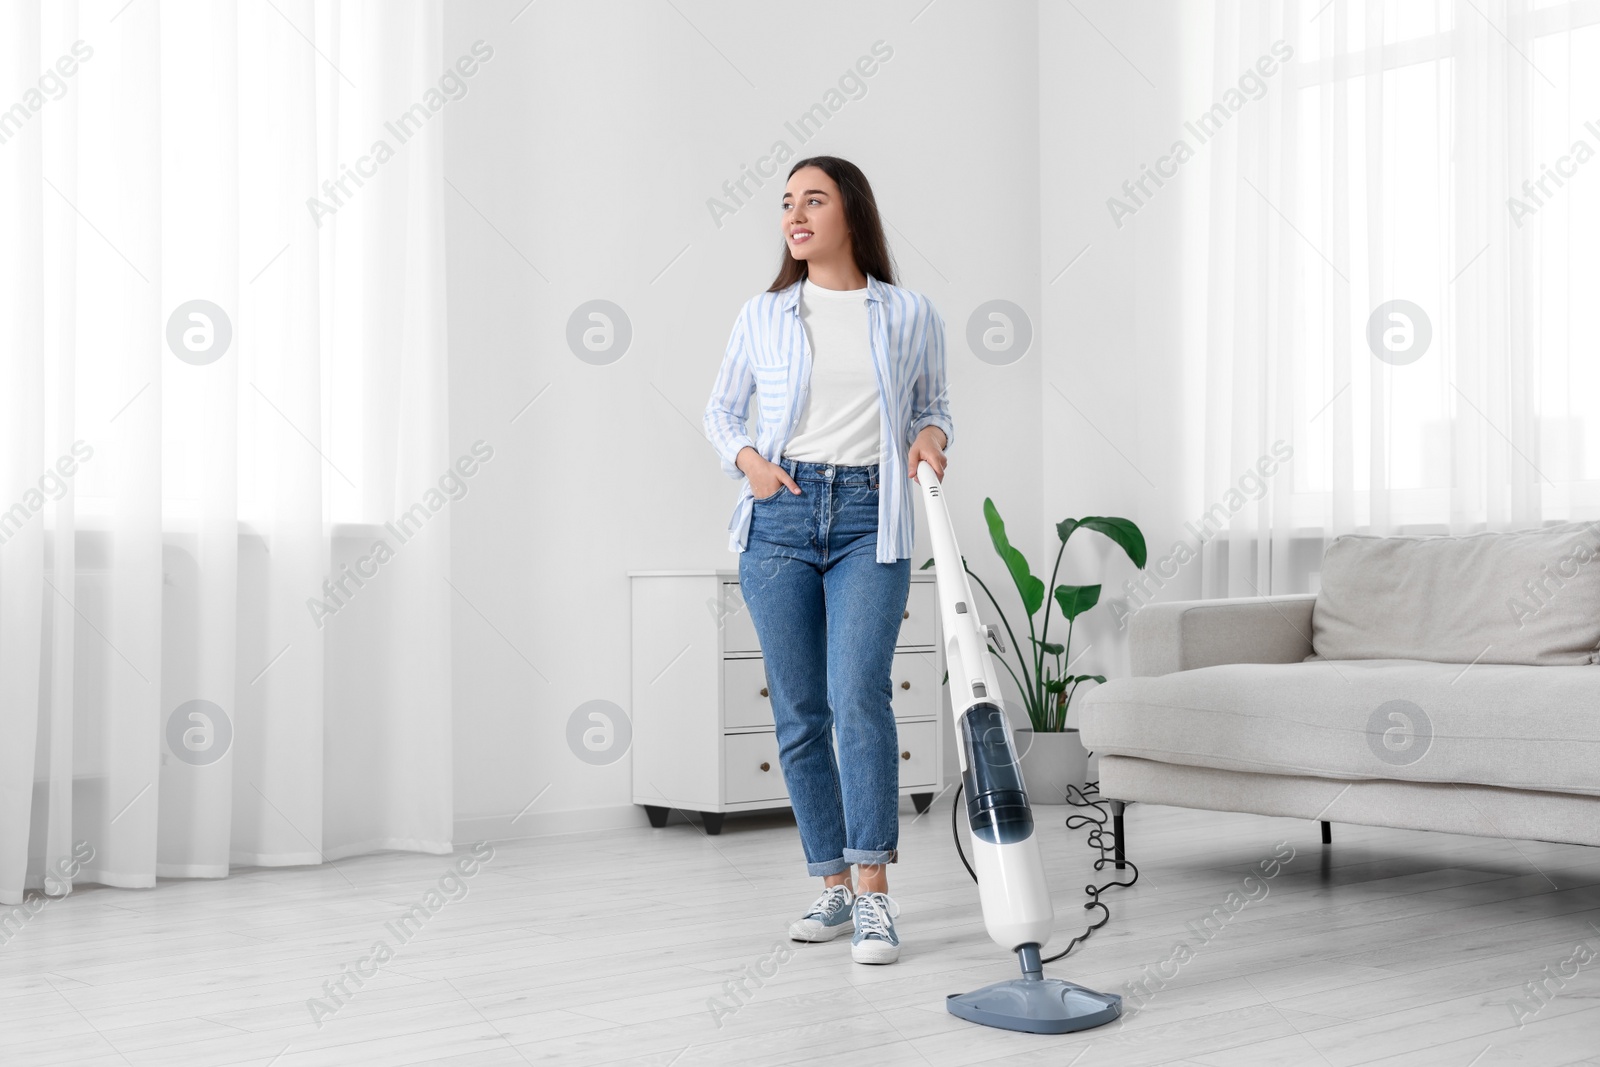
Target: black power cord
column 1078, row 798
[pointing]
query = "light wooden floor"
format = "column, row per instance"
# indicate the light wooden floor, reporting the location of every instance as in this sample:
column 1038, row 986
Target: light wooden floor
column 1388, row 947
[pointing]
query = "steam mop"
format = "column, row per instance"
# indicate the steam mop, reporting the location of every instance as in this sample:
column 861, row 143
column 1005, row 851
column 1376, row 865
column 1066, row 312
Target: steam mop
column 1011, row 884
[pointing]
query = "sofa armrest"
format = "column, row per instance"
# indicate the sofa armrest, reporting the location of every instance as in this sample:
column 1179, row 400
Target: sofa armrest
column 1188, row 634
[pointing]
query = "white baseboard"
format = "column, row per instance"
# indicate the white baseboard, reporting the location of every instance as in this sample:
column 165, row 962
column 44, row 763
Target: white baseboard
column 470, row 828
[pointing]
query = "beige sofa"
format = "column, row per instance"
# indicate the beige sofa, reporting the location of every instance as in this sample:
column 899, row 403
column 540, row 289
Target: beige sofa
column 1234, row 705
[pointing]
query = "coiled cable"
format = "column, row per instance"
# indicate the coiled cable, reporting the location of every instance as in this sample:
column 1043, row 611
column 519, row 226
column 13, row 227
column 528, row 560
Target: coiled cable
column 1100, row 837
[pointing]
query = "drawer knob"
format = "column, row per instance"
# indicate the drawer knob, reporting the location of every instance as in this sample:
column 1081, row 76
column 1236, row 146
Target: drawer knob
column 766, row 766
column 905, row 685
column 905, row 755
column 763, row 690
column 905, row 614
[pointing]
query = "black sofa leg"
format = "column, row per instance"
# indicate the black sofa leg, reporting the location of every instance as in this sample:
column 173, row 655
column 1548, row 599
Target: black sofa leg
column 1327, row 833
column 1118, row 849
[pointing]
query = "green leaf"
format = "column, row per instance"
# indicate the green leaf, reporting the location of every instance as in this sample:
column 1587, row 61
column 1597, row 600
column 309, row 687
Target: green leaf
column 1077, row 599
column 1123, row 532
column 926, row 565
column 1030, row 587
column 1049, row 646
column 1064, row 529
column 1056, row 686
column 1097, row 678
column 1032, row 591
column 945, row 679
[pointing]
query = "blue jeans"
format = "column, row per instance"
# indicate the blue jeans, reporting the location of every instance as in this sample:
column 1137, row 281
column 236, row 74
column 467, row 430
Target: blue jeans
column 827, row 614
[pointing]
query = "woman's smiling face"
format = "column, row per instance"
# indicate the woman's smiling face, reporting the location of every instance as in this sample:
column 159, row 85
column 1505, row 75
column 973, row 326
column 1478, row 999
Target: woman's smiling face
column 812, row 220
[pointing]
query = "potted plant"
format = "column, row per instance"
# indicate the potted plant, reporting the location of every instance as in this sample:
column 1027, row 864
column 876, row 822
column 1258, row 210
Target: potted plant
column 1050, row 753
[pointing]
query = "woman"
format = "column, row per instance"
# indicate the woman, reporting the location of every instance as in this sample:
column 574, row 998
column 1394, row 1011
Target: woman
column 848, row 371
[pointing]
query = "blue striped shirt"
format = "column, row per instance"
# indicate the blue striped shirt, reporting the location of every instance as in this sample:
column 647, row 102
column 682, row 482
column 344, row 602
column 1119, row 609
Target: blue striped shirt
column 768, row 355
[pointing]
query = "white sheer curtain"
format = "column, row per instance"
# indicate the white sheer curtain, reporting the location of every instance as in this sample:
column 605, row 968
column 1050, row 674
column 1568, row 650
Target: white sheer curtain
column 178, row 481
column 1385, row 161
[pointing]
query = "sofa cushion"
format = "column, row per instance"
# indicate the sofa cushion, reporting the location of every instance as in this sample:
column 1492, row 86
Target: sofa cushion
column 1531, row 597
column 1485, row 724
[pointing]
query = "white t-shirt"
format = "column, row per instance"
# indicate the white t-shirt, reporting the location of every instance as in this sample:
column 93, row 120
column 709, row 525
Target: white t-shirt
column 840, row 422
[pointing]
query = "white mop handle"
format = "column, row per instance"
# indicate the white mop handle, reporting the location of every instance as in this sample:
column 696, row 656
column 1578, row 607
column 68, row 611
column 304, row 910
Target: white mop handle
column 972, row 677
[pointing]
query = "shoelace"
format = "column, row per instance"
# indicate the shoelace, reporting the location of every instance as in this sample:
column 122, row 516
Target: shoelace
column 873, row 915
column 823, row 905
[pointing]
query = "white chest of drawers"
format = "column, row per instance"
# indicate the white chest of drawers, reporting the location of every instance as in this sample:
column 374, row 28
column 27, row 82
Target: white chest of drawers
column 703, row 734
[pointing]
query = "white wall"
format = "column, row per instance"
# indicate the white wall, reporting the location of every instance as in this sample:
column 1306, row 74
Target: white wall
column 588, row 147
column 1124, row 324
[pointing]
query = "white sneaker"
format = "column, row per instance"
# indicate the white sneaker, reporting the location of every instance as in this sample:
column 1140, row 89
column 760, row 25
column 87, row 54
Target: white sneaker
column 875, row 940
column 829, row 916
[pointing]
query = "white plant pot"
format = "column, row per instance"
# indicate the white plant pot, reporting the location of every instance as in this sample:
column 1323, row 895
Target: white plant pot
column 1050, row 762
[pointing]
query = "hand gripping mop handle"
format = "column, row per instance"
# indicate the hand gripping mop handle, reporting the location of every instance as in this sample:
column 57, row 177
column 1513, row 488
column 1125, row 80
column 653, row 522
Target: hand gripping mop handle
column 1011, row 882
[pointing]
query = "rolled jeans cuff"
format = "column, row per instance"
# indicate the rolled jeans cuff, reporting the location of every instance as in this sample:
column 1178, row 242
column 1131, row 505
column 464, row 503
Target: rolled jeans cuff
column 878, row 856
column 827, row 867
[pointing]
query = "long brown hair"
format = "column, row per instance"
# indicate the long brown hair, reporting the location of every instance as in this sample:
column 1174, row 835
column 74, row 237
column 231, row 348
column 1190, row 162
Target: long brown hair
column 867, row 244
